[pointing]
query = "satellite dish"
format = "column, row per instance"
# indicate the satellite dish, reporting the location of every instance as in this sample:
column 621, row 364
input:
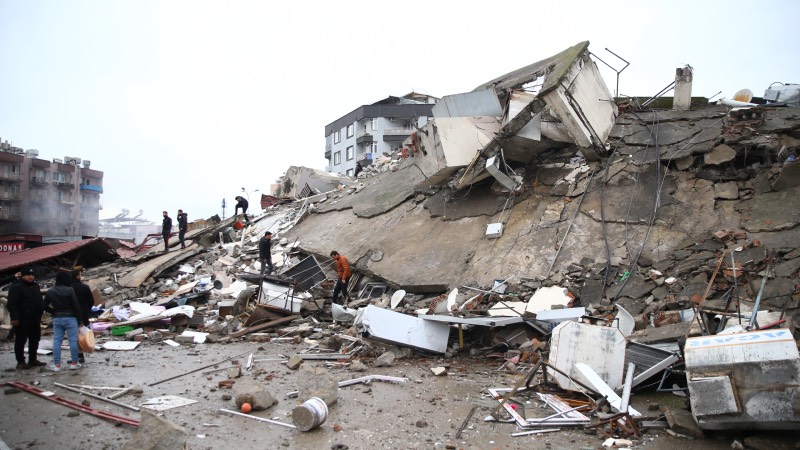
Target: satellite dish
column 743, row 95
column 397, row 297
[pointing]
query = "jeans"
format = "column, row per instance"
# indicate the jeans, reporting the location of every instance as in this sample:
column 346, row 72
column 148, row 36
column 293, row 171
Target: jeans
column 266, row 263
column 340, row 286
column 60, row 325
column 30, row 332
column 181, row 235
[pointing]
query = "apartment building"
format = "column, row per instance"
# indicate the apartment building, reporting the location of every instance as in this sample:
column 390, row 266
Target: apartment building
column 368, row 131
column 58, row 197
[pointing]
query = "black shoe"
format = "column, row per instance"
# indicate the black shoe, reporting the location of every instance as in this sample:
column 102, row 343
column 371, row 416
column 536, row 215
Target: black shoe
column 23, row 366
column 81, row 360
column 36, row 363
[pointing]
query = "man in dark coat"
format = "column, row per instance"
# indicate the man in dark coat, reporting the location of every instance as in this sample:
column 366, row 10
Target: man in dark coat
column 242, row 203
column 183, row 226
column 166, row 229
column 265, row 252
column 85, row 300
column 26, row 306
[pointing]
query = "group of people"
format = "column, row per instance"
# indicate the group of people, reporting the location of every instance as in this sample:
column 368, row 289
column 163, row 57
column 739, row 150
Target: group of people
column 69, row 301
column 166, row 228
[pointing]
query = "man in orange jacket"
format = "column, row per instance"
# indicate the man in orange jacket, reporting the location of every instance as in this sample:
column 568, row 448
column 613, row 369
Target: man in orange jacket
column 343, row 273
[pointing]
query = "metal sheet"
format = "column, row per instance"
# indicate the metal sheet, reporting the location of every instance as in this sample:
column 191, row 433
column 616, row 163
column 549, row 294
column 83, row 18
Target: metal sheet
column 307, row 273
column 602, row 348
column 389, row 326
column 594, row 380
column 560, row 315
column 480, row 321
column 470, row 104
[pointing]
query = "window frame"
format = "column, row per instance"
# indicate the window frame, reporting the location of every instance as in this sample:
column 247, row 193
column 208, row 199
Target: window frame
column 337, row 136
column 351, row 130
column 337, row 158
column 350, row 153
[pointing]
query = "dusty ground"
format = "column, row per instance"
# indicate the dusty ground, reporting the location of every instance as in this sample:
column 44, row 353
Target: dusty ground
column 381, row 415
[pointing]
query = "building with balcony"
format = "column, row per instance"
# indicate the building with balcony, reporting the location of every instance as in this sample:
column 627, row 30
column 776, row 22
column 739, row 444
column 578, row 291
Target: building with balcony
column 368, row 131
column 58, row 197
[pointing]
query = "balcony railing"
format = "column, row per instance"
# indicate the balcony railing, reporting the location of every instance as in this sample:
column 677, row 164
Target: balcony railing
column 10, row 216
column 9, row 176
column 39, row 181
column 398, row 131
column 9, row 196
column 64, row 184
column 66, row 201
column 364, row 133
column 92, row 188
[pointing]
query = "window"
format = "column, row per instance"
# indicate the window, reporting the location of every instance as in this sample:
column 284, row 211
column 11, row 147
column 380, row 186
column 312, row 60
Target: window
column 373, row 147
column 337, row 136
column 350, row 130
column 349, row 153
column 337, row 158
column 349, row 172
column 374, row 124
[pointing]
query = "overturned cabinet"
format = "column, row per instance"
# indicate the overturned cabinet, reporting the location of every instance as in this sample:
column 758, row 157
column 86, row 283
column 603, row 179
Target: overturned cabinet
column 744, row 381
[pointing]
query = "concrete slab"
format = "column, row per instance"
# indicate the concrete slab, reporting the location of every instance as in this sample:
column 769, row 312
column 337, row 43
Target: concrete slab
column 772, row 211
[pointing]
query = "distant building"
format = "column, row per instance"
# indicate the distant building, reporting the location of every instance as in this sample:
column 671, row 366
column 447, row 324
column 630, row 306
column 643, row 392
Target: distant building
column 370, row 130
column 37, row 196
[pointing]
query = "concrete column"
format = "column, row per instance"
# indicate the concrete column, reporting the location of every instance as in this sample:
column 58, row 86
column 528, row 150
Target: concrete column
column 683, row 88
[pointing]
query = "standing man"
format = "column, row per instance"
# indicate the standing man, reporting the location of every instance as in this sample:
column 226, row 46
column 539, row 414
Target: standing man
column 61, row 302
column 26, row 306
column 85, row 300
column 183, row 226
column 265, row 252
column 166, row 229
column 242, row 203
column 343, row 273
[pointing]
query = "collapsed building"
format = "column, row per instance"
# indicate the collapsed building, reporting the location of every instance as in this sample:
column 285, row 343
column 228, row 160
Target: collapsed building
column 532, row 221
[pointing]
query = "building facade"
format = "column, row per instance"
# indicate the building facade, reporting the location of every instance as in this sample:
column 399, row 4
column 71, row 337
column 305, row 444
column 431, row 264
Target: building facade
column 58, row 197
column 371, row 130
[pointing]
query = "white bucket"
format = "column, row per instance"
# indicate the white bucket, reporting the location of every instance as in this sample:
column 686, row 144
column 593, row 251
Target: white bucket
column 311, row 414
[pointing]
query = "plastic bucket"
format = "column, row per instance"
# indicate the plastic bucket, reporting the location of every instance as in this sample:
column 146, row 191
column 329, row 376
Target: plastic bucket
column 311, row 414
column 238, row 225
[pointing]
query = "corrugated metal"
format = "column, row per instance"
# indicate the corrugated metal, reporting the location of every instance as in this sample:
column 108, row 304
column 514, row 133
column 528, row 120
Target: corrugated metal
column 94, row 250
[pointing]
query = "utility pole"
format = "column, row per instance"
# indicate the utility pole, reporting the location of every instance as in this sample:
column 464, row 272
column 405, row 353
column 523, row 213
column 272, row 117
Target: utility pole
column 223, row 208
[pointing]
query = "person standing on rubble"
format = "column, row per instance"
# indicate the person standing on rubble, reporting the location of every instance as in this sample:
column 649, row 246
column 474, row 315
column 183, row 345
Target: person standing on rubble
column 241, row 202
column 265, row 252
column 183, row 226
column 343, row 274
column 166, row 229
column 61, row 302
column 85, row 300
column 26, row 306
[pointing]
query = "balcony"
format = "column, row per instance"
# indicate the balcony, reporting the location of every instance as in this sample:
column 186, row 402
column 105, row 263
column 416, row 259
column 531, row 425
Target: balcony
column 10, row 177
column 364, row 139
column 39, row 181
column 37, row 198
column 9, row 216
column 398, row 131
column 92, row 188
column 10, row 196
column 64, row 185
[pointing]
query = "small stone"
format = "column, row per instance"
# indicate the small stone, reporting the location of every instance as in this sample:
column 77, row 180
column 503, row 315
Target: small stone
column 235, row 372
column 294, row 362
column 385, row 360
column 73, row 414
column 227, row 397
column 439, row 371
column 358, row 366
column 422, row 423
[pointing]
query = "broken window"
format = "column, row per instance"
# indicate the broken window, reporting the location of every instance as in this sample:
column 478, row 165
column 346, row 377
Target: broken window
column 349, row 153
column 337, row 158
column 337, row 136
column 350, row 130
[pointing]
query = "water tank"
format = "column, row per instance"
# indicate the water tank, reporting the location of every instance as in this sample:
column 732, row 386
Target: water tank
column 86, row 163
column 32, row 153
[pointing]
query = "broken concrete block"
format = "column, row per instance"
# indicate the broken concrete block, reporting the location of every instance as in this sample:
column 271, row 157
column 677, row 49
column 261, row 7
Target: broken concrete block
column 157, row 433
column 726, row 191
column 684, row 163
column 294, row 362
column 719, row 155
column 788, row 178
column 235, row 372
column 439, row 371
column 185, row 339
column 357, row 366
column 248, row 390
column 318, row 382
column 130, row 334
column 385, row 360
column 682, row 422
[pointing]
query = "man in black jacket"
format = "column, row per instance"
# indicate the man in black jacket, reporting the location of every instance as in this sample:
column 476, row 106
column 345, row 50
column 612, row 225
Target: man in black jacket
column 265, row 252
column 166, row 229
column 183, row 226
column 242, row 203
column 85, row 300
column 26, row 306
column 61, row 302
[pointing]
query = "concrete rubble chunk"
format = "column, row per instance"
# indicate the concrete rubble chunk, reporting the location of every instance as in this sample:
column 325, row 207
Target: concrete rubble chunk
column 726, row 191
column 248, row 390
column 357, row 366
column 684, row 163
column 682, row 422
column 719, row 155
column 439, row 371
column 320, row 383
column 157, row 433
column 294, row 362
column 386, row 359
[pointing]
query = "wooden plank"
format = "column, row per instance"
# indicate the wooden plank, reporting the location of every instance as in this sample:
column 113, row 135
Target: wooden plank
column 263, row 326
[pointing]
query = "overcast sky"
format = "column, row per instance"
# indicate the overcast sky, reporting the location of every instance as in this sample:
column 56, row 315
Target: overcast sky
column 183, row 103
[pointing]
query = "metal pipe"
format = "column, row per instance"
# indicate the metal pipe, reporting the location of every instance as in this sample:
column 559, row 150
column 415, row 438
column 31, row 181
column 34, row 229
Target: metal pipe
column 626, row 388
column 525, row 433
column 98, row 397
column 760, row 293
column 260, row 419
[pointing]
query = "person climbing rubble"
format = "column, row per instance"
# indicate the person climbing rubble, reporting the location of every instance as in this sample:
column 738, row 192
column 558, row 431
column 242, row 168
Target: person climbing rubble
column 265, row 252
column 343, row 274
column 241, row 202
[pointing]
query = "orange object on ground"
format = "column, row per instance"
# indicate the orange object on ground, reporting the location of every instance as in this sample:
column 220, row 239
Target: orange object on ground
column 246, row 408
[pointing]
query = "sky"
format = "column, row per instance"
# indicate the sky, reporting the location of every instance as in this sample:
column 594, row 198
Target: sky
column 182, row 104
